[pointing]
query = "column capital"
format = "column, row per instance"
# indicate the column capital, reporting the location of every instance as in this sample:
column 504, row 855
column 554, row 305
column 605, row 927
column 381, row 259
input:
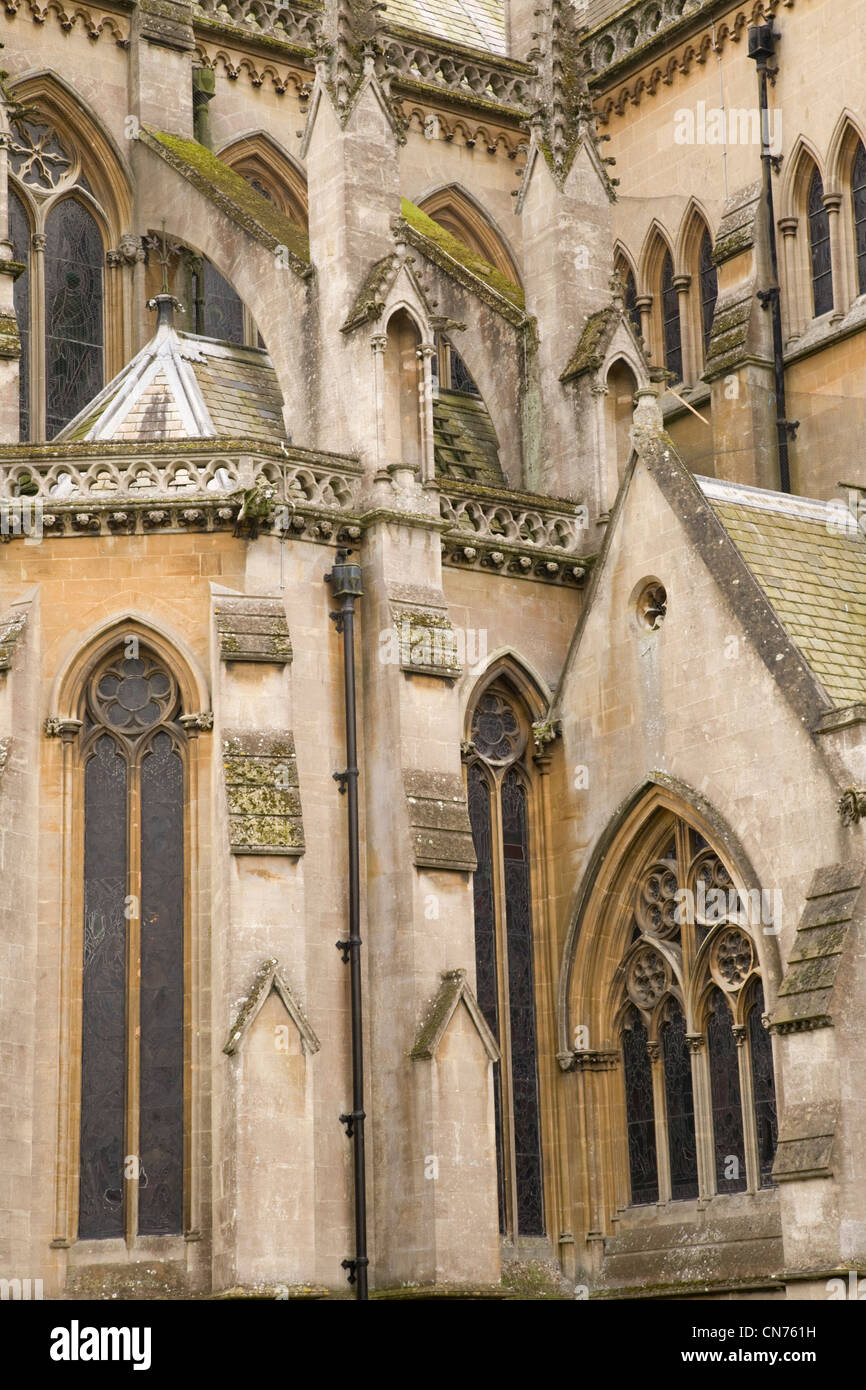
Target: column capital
column 64, row 729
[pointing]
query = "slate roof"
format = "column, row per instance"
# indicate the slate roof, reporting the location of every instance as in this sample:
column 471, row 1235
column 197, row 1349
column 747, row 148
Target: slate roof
column 473, row 23
column 182, row 386
column 464, row 440
column 809, row 557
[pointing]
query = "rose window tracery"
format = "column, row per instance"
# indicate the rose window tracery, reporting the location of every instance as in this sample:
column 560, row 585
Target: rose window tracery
column 496, row 731
column 656, row 902
column 732, row 959
column 648, row 978
column 133, row 694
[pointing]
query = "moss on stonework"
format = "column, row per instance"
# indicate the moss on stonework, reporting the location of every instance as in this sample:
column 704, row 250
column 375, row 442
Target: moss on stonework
column 534, row 1280
column 212, row 176
column 470, row 260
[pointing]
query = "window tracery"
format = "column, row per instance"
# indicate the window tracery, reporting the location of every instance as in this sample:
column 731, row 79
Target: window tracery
column 56, row 229
column 693, row 1047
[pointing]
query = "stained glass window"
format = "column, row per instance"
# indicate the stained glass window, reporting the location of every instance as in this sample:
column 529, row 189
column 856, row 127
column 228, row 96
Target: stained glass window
column 485, row 945
column 640, row 1111
column 763, row 1086
column 679, row 1095
column 521, row 1002
column 819, row 247
column 727, row 1107
column 160, row 1201
column 133, row 855
column 858, row 199
column 19, row 231
column 687, row 935
column 709, row 287
column 671, row 334
column 73, row 312
column 103, row 1041
column 223, row 308
column 504, row 948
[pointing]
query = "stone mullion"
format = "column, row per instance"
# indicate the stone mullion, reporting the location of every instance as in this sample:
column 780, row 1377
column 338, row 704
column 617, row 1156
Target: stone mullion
column 702, row 1096
column 660, row 1112
column 425, row 354
column 644, row 306
column 378, row 344
column 71, row 965
column 193, row 987
column 596, row 1156
column 747, row 1102
column 790, row 279
column 113, row 317
column 687, row 337
column 38, row 330
column 619, row 1132
column 832, row 204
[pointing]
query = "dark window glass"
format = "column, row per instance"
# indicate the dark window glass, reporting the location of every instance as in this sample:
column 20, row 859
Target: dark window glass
column 521, row 1000
column 680, row 1106
column 640, row 1112
column 630, row 300
column 461, row 377
column 133, row 697
column 858, row 197
column 764, row 1088
column 223, row 309
column 73, row 313
column 671, row 320
column 485, row 945
column 19, row 231
column 103, row 1041
column 725, row 1089
column 819, row 245
column 709, row 288
column 160, row 1197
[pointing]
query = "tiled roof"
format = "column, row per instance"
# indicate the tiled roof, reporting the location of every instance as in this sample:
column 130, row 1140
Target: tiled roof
column 809, row 557
column 182, row 386
column 473, row 23
column 465, row 443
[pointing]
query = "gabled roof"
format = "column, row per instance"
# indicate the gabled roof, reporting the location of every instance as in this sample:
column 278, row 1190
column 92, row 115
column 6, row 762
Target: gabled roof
column 475, row 23
column 809, row 557
column 182, row 386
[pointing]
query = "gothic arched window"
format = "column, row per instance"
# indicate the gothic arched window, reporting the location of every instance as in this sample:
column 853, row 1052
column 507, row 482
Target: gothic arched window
column 819, row 247
column 671, row 332
column 499, row 810
column 858, row 198
column 59, row 299
column 694, row 1051
column 73, row 312
column 709, row 282
column 132, row 750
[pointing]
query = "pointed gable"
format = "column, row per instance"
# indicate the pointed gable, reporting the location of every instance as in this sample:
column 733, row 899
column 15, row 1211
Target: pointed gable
column 183, row 386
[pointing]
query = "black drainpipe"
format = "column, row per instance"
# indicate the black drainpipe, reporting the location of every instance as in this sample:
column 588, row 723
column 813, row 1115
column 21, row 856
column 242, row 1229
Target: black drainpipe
column 762, row 46
column 345, row 582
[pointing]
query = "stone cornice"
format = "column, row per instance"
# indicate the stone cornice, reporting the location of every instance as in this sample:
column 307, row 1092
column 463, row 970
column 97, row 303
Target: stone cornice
column 626, row 59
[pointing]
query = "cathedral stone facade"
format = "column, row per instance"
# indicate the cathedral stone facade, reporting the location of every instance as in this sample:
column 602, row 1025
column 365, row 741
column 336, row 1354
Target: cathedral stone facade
column 547, row 314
